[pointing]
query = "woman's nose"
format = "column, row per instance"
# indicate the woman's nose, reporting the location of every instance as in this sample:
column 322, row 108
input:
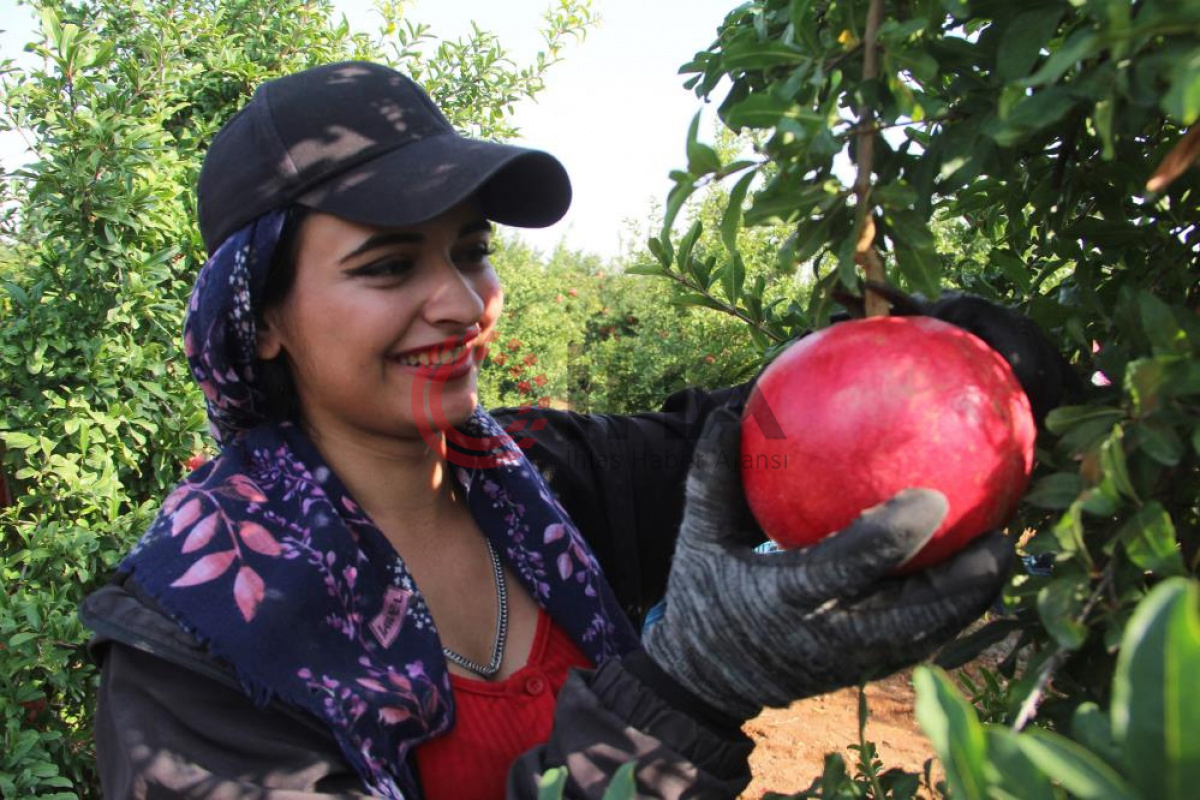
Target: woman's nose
column 454, row 297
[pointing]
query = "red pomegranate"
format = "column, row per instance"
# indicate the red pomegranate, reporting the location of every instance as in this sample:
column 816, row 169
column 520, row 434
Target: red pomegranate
column 849, row 416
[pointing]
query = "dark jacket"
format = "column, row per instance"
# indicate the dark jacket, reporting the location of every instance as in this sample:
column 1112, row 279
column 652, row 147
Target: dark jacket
column 174, row 721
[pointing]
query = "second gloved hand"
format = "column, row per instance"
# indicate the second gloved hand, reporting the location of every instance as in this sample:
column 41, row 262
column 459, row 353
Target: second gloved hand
column 744, row 630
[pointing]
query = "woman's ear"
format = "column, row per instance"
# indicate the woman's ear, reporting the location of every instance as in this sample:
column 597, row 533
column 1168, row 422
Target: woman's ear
column 270, row 342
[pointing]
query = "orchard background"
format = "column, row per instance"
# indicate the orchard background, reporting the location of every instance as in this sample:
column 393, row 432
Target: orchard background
column 1034, row 152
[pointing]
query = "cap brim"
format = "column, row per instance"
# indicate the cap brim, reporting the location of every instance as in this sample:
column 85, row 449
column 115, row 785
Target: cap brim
column 413, row 184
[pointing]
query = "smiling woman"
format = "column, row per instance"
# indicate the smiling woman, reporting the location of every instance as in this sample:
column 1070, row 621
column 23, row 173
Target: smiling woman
column 372, row 311
column 374, row 589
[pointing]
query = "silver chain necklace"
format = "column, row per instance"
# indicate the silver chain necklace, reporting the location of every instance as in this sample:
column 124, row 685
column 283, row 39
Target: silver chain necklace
column 501, row 625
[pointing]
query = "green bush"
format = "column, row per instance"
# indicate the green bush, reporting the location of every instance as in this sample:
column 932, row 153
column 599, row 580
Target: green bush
column 587, row 336
column 1003, row 148
column 99, row 251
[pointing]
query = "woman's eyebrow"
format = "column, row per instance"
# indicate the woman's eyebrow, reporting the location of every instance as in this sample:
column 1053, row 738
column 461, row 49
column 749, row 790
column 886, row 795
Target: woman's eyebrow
column 382, row 240
column 408, row 237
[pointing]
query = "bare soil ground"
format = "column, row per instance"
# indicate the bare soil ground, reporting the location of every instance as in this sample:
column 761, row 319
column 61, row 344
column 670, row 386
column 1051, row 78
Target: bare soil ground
column 792, row 742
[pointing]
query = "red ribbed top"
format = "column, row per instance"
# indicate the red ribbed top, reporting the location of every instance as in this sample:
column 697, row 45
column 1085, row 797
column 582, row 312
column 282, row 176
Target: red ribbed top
column 496, row 721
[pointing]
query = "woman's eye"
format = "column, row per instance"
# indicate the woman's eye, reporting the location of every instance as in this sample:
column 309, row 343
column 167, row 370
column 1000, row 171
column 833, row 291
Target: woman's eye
column 475, row 254
column 387, row 268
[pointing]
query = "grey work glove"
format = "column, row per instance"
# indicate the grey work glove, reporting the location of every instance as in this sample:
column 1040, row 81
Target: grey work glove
column 746, row 630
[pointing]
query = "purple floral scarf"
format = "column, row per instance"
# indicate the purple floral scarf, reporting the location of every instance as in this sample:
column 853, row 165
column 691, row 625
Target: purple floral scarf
column 263, row 554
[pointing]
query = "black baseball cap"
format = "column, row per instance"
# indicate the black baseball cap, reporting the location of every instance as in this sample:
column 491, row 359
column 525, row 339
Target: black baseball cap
column 363, row 142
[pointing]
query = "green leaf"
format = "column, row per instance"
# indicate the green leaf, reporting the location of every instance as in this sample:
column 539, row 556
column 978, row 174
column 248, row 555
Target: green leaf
column 680, row 192
column 622, row 786
column 921, row 268
column 1115, row 464
column 915, row 254
column 1103, row 117
column 1024, row 39
column 16, row 640
column 731, row 222
column 811, row 235
column 766, row 110
column 702, row 159
column 1151, row 381
column 1013, row 268
column 833, row 775
column 1063, row 418
column 697, row 299
column 1182, row 100
column 553, row 784
column 896, row 196
column 660, row 252
column 683, row 256
column 734, row 278
column 909, row 228
column 1031, row 114
column 1060, row 606
column 1159, row 441
column 954, row 731
column 1056, row 492
column 645, row 268
column 959, row 9
column 1077, row 770
column 1156, row 697
column 15, row 440
column 1012, row 773
column 1091, row 728
column 1158, row 321
column 1150, row 542
column 761, row 55
column 1079, row 45
column 914, row 60
column 788, row 203
column 798, row 13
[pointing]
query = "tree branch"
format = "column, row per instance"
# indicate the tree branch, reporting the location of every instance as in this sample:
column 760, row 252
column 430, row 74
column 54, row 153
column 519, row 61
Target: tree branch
column 865, row 254
column 1029, row 707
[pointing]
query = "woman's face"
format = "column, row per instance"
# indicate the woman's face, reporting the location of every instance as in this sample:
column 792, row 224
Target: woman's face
column 379, row 316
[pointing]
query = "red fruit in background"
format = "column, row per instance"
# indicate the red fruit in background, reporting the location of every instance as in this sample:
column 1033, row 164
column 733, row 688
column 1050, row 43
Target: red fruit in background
column 196, row 461
column 34, row 708
column 867, row 408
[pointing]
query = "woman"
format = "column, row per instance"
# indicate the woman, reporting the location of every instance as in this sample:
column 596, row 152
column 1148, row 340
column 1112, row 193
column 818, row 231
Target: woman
column 374, row 590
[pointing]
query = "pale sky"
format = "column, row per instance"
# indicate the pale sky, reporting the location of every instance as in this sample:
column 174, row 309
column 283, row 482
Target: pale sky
column 614, row 111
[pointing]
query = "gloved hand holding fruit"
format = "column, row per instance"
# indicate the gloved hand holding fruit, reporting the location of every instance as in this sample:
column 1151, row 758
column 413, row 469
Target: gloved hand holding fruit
column 865, row 445
column 745, row 630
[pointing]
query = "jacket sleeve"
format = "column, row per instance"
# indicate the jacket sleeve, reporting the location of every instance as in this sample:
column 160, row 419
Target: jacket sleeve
column 173, row 722
column 621, row 479
column 166, row 731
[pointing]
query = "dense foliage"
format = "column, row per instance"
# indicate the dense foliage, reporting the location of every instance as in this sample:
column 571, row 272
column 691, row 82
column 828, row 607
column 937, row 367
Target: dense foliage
column 579, row 334
column 99, row 249
column 1003, row 148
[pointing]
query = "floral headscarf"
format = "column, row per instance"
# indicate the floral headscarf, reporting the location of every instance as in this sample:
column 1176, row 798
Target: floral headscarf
column 263, row 554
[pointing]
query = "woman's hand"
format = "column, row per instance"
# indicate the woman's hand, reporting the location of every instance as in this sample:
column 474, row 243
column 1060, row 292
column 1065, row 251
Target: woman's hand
column 744, row 630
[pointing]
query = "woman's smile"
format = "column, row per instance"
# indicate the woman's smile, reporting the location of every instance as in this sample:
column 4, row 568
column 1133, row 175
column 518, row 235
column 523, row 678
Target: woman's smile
column 446, row 360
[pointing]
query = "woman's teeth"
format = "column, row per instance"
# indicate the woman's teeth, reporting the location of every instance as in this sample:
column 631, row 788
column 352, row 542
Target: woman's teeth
column 432, row 357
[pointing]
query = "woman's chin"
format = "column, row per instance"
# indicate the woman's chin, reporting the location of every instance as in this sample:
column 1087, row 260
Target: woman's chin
column 449, row 410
